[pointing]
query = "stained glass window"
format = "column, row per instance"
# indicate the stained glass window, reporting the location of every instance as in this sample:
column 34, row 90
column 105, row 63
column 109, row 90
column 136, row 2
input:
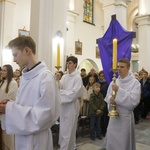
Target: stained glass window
column 88, row 11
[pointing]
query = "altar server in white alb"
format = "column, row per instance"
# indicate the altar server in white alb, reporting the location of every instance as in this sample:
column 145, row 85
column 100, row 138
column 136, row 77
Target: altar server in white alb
column 120, row 132
column 37, row 104
column 71, row 88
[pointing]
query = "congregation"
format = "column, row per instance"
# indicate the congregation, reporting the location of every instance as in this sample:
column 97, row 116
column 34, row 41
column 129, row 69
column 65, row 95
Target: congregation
column 82, row 94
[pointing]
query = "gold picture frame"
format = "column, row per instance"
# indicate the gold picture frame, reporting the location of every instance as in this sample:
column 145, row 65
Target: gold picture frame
column 23, row 32
column 97, row 53
column 78, row 47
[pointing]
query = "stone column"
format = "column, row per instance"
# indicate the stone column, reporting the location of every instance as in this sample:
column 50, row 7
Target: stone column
column 112, row 7
column 143, row 21
column 6, row 24
column 6, row 27
column 48, row 17
column 71, row 31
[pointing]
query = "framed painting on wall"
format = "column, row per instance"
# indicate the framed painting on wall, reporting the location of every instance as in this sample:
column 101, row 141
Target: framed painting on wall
column 97, row 52
column 23, row 32
column 78, row 47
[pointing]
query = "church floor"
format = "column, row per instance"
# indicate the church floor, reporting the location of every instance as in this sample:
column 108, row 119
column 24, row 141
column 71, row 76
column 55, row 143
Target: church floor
column 142, row 133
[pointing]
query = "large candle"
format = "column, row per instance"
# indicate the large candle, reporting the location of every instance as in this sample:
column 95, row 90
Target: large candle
column 114, row 61
column 58, row 54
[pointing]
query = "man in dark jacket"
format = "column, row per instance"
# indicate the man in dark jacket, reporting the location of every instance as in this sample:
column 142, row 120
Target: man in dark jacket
column 145, row 95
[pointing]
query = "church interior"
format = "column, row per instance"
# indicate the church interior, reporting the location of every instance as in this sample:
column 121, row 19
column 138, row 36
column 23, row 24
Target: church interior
column 72, row 28
column 48, row 20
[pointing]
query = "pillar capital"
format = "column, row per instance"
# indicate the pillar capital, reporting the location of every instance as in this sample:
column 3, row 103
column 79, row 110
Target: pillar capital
column 112, row 7
column 71, row 16
column 9, row 1
column 108, row 3
column 142, row 20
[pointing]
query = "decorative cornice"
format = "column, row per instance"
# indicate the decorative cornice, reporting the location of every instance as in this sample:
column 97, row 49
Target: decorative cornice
column 73, row 13
column 143, row 16
column 71, row 16
column 143, row 20
column 115, row 5
column 8, row 1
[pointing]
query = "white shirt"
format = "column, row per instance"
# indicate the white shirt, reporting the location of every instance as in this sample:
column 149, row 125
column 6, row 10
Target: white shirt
column 12, row 90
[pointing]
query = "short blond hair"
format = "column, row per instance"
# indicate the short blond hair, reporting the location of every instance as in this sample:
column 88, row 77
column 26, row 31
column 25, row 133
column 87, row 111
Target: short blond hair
column 95, row 84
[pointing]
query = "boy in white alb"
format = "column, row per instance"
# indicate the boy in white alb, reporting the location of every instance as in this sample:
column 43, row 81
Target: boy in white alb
column 71, row 88
column 120, row 131
column 36, row 108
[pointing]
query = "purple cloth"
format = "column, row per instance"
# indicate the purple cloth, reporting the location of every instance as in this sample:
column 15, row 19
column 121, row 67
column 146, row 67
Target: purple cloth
column 105, row 45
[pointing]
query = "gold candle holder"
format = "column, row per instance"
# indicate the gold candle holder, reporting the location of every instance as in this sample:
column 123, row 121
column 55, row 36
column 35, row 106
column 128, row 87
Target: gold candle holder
column 57, row 67
column 114, row 112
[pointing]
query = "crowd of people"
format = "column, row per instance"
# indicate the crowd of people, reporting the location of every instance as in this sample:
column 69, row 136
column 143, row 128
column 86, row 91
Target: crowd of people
column 32, row 100
column 143, row 108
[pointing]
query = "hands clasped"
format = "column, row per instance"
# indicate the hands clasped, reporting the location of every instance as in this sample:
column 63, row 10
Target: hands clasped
column 98, row 112
column 3, row 106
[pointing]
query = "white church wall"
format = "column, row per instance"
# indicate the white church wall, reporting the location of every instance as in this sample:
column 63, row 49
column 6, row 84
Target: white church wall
column 17, row 16
column 21, row 19
column 22, row 15
column 87, row 33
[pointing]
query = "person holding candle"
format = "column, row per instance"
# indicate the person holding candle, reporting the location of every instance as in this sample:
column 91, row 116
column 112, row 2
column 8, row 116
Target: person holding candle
column 120, row 132
column 37, row 104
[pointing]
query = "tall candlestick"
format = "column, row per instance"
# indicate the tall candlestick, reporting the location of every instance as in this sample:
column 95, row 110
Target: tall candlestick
column 114, row 61
column 58, row 54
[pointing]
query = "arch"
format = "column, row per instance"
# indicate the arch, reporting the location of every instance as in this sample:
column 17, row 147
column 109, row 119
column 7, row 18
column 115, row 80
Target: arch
column 132, row 11
column 87, row 64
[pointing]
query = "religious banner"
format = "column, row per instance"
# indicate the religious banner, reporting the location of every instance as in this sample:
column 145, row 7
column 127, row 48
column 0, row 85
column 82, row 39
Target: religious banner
column 105, row 44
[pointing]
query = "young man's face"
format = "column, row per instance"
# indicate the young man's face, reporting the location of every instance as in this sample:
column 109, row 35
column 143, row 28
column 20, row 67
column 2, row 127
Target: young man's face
column 123, row 69
column 71, row 66
column 20, row 57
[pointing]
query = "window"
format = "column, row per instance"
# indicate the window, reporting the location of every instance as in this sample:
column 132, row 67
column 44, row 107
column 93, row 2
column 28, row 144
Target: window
column 88, row 11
